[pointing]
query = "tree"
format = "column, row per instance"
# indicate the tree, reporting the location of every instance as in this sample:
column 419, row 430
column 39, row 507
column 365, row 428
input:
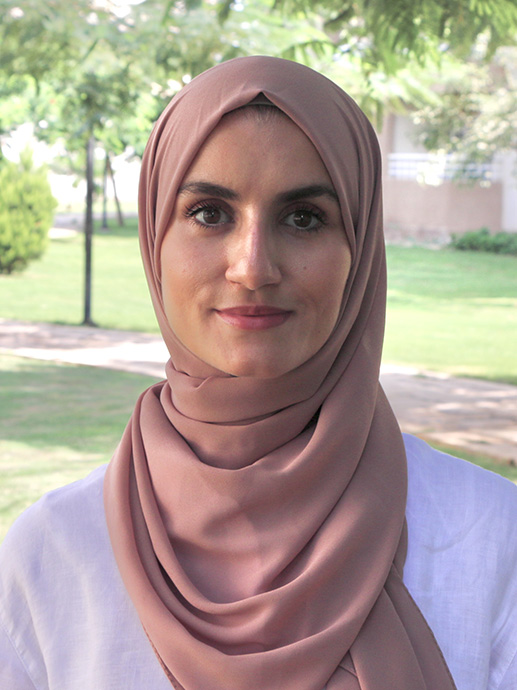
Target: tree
column 109, row 69
column 26, row 212
column 54, row 43
column 384, row 52
column 476, row 114
column 386, row 31
column 101, row 70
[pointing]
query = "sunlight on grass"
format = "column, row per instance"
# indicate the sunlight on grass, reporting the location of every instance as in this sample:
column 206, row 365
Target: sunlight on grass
column 58, row 423
column 454, row 312
column 51, row 289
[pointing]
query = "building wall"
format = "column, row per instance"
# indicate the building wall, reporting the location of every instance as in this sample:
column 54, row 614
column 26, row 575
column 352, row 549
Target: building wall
column 422, row 203
column 433, row 213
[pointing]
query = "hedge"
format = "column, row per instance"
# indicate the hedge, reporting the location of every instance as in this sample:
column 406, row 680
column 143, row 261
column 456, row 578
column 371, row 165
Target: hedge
column 26, row 213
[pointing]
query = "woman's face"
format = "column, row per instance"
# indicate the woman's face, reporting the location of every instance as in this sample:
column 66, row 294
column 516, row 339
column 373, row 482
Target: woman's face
column 255, row 260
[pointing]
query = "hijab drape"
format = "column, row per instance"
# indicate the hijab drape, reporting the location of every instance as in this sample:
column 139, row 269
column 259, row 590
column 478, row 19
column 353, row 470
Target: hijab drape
column 263, row 551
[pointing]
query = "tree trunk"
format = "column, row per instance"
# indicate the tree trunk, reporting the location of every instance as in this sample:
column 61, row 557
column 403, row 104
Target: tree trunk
column 105, row 193
column 117, row 202
column 88, row 234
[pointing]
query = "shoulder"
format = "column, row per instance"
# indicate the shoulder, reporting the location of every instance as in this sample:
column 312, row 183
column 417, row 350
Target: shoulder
column 64, row 611
column 453, row 504
column 457, row 490
column 48, row 552
column 462, row 562
column 56, row 544
column 73, row 512
column 47, row 543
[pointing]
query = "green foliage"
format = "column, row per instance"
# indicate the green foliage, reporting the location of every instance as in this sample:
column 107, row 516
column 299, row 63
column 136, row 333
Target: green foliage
column 475, row 116
column 103, row 69
column 14, row 103
column 37, row 38
column 386, row 53
column 91, row 68
column 386, row 32
column 482, row 241
column 112, row 70
column 26, row 213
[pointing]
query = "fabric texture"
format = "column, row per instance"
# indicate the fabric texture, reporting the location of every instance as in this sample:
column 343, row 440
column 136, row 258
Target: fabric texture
column 261, row 551
column 65, row 615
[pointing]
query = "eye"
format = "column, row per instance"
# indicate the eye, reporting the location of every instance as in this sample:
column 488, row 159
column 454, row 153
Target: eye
column 208, row 214
column 305, row 219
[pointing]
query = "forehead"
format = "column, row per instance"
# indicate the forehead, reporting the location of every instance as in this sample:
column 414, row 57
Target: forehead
column 253, row 140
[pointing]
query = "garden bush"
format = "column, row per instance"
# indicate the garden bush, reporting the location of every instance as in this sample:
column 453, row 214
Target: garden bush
column 482, row 241
column 26, row 213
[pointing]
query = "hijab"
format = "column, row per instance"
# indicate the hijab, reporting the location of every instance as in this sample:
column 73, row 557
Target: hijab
column 259, row 524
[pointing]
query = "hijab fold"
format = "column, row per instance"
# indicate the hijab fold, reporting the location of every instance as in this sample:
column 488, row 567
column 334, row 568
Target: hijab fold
column 258, row 524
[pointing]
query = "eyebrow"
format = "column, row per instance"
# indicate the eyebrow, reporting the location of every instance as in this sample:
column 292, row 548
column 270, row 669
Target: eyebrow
column 208, row 188
column 309, row 191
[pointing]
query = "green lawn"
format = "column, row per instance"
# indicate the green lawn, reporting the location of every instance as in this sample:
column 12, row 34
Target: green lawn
column 447, row 310
column 51, row 289
column 58, row 422
column 453, row 311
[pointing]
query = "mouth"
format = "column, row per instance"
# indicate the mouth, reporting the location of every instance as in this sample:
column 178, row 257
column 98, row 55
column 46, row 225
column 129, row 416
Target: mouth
column 254, row 317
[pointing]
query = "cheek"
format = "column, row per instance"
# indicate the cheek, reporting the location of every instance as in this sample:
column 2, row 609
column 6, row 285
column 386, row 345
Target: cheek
column 329, row 278
column 177, row 275
column 172, row 291
column 189, row 278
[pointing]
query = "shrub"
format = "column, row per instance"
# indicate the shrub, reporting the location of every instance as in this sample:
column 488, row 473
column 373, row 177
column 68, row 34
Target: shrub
column 26, row 213
column 482, row 241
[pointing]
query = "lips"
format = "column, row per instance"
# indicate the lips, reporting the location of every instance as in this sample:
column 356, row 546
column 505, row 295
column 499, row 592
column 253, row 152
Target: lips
column 254, row 317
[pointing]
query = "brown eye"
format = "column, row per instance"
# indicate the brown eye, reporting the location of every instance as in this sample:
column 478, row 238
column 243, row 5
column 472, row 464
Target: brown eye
column 211, row 215
column 304, row 219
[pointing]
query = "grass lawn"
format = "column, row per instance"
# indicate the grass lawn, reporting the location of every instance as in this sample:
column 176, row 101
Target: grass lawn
column 452, row 311
column 60, row 421
column 447, row 310
column 51, row 289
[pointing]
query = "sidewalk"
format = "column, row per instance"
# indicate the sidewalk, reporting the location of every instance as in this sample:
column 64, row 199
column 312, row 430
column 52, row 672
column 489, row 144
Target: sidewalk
column 475, row 415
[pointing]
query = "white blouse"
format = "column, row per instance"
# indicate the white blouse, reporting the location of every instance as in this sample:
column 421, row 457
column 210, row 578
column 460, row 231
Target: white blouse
column 66, row 622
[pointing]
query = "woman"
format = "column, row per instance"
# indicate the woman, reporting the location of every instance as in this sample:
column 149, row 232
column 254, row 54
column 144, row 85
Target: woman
column 256, row 504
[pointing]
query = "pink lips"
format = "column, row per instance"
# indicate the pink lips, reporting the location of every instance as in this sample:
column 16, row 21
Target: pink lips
column 254, row 317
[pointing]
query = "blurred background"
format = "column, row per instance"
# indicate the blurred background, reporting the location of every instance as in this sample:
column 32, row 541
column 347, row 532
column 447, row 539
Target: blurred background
column 82, row 81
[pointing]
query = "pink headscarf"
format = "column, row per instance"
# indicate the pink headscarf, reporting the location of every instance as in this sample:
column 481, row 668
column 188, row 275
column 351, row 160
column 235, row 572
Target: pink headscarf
column 263, row 552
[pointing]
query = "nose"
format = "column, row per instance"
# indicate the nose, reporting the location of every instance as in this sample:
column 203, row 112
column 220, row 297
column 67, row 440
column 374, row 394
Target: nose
column 253, row 260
